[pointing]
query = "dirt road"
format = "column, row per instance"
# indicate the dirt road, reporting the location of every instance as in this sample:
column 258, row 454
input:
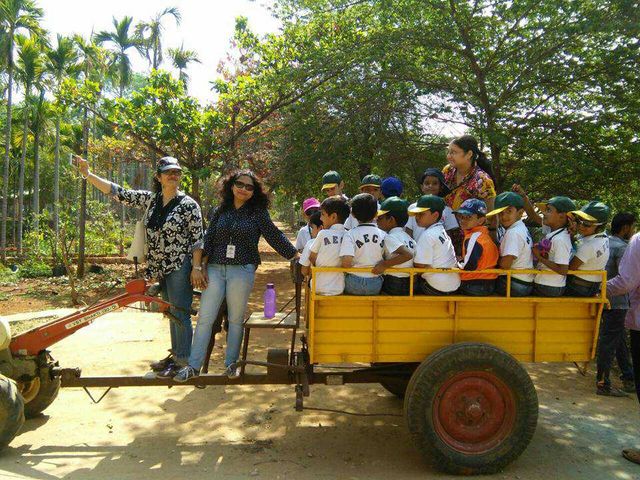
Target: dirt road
column 247, row 431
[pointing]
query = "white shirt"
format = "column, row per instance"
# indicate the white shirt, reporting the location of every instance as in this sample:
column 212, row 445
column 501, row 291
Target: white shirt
column 350, row 223
column 366, row 244
column 404, row 238
column 448, row 218
column 559, row 253
column 435, row 249
column 326, row 246
column 517, row 242
column 304, row 235
column 594, row 253
column 306, row 252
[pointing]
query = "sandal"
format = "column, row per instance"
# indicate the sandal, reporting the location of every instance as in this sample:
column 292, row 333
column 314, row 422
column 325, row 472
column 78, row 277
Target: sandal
column 632, row 454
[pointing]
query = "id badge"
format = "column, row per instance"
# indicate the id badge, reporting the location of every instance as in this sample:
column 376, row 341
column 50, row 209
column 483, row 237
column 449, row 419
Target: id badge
column 231, row 251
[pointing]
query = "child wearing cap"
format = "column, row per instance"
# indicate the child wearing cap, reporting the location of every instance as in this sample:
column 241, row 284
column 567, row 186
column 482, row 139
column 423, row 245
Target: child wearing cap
column 325, row 249
column 315, row 225
column 371, row 184
column 391, row 187
column 432, row 183
column 592, row 249
column 392, row 217
column 364, row 246
column 332, row 184
column 309, row 207
column 553, row 252
column 479, row 252
column 515, row 245
column 434, row 248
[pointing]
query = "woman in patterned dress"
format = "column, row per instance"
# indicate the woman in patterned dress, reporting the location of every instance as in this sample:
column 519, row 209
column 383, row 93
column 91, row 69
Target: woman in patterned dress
column 174, row 242
column 468, row 175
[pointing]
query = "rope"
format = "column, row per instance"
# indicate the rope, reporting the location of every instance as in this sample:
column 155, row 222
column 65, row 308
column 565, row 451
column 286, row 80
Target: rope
column 355, row 414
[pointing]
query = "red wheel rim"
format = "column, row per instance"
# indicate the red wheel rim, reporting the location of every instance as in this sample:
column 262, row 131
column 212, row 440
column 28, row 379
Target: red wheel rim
column 473, row 412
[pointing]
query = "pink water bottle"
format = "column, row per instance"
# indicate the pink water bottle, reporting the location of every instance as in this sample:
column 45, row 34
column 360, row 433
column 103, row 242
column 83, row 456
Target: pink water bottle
column 270, row 301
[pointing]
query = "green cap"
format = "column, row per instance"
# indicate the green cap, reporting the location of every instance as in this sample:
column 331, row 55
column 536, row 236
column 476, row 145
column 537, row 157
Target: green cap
column 506, row 200
column 561, row 204
column 594, row 211
column 371, row 180
column 331, row 179
column 428, row 202
column 393, row 205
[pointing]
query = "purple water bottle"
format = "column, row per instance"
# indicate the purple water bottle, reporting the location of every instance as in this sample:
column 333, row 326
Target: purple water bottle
column 270, row 301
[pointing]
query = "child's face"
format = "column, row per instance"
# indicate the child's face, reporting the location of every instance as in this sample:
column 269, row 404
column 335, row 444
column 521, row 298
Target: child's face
column 430, row 186
column 314, row 230
column 467, row 222
column 586, row 228
column 330, row 192
column 328, row 220
column 386, row 222
column 552, row 218
column 375, row 191
column 427, row 218
column 509, row 216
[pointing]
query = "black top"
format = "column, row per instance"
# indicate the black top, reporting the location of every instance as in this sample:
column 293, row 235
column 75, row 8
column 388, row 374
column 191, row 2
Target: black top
column 242, row 228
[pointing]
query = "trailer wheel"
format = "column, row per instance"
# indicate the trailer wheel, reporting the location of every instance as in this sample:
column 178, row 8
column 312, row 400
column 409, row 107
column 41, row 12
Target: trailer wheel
column 471, row 408
column 40, row 392
column 11, row 411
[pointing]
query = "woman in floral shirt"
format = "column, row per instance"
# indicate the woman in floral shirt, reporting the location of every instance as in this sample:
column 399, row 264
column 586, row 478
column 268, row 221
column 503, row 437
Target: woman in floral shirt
column 468, row 175
column 174, row 234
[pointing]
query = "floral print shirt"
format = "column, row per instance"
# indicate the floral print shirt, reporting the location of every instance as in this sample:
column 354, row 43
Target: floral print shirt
column 179, row 236
column 477, row 184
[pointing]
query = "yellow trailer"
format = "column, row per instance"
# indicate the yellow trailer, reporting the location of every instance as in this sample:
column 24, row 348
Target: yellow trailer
column 468, row 402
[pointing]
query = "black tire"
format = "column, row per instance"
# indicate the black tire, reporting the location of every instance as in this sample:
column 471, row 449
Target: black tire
column 11, row 411
column 47, row 393
column 471, row 408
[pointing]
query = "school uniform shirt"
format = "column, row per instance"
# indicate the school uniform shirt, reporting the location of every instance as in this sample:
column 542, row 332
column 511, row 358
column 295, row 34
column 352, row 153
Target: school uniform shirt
column 435, row 248
column 304, row 235
column 448, row 218
column 366, row 244
column 559, row 253
column 304, row 260
column 326, row 246
column 594, row 253
column 517, row 241
column 408, row 242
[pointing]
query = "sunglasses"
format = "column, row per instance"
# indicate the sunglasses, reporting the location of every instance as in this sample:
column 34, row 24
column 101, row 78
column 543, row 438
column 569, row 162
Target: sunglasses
column 249, row 187
column 173, row 172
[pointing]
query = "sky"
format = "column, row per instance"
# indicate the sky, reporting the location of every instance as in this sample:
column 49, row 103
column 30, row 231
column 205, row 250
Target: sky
column 206, row 27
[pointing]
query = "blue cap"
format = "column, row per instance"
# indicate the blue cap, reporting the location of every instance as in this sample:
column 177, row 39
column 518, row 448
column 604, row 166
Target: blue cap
column 391, row 187
column 471, row 206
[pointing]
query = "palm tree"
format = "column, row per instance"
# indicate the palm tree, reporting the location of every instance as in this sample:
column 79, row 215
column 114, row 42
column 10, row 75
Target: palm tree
column 30, row 71
column 15, row 15
column 151, row 34
column 122, row 41
column 61, row 62
column 181, row 59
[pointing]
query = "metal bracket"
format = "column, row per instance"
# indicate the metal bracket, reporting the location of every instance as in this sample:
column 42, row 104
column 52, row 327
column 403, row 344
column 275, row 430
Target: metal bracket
column 91, row 396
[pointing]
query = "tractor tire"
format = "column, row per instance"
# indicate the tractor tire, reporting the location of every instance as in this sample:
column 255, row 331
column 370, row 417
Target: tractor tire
column 11, row 411
column 44, row 390
column 471, row 408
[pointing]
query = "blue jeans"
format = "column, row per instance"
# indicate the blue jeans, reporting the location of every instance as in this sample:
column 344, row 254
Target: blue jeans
column 176, row 289
column 612, row 343
column 233, row 282
column 540, row 290
column 423, row 288
column 477, row 288
column 577, row 287
column 355, row 285
column 518, row 288
column 395, row 285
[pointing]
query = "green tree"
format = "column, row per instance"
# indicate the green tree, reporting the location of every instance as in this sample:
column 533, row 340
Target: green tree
column 181, row 58
column 151, row 33
column 15, row 16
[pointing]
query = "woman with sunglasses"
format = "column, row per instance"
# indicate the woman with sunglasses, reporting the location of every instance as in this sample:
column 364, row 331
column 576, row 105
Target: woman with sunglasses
column 174, row 235
column 230, row 259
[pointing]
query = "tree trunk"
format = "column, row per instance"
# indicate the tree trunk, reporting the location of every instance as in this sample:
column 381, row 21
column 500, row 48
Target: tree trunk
column 195, row 188
column 36, row 185
column 83, row 198
column 23, row 159
column 56, row 190
column 122, row 207
column 7, row 151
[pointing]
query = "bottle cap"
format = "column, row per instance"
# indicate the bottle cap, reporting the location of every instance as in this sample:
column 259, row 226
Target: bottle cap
column 270, row 285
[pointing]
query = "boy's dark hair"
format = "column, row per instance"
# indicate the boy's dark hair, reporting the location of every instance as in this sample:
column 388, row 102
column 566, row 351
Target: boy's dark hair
column 621, row 220
column 314, row 219
column 401, row 218
column 364, row 207
column 338, row 205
